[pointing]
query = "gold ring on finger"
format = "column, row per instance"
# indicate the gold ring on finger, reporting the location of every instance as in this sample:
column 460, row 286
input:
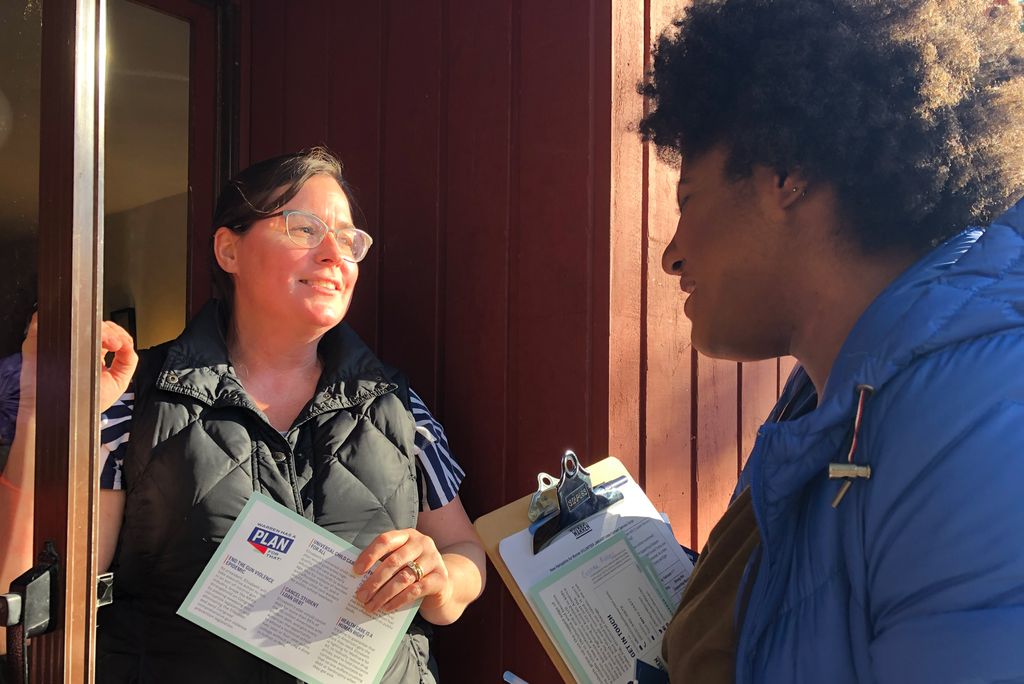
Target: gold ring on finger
column 415, row 567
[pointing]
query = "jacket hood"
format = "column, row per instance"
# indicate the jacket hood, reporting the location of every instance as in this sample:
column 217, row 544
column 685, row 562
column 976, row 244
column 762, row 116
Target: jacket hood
column 969, row 287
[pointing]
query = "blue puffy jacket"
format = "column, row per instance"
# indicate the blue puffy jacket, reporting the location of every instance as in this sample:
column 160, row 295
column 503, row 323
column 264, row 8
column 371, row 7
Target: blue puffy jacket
column 918, row 575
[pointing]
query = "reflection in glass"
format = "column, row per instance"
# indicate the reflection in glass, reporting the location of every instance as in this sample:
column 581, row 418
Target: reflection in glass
column 20, row 57
column 146, row 174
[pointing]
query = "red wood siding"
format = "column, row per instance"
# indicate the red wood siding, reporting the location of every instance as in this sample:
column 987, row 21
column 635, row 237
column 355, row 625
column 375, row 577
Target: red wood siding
column 516, row 274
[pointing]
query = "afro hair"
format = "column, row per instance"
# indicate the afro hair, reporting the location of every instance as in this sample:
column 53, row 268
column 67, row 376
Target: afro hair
column 912, row 110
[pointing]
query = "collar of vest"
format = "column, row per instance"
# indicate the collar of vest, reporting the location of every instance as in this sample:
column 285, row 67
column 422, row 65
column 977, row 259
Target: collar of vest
column 197, row 365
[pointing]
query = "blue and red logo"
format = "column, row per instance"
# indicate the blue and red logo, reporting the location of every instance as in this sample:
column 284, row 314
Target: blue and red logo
column 264, row 540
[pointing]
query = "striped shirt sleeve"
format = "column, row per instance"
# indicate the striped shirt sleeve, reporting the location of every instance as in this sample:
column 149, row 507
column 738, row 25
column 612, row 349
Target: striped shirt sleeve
column 115, row 428
column 440, row 474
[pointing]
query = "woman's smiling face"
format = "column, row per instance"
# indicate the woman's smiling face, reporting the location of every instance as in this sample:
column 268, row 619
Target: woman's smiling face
column 729, row 255
column 289, row 284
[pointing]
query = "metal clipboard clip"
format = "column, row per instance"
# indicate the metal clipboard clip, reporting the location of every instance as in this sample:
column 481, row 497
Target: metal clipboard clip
column 545, row 500
column 576, row 501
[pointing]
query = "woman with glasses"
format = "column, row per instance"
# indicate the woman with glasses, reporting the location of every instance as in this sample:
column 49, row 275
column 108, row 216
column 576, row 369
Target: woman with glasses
column 266, row 390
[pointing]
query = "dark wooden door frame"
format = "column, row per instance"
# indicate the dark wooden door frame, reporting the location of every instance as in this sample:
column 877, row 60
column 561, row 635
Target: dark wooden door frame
column 70, row 280
column 70, row 276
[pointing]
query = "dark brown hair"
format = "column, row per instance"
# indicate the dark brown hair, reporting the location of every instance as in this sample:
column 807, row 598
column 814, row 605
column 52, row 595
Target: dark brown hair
column 265, row 187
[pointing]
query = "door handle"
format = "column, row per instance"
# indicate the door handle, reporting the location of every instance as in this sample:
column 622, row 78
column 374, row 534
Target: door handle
column 26, row 611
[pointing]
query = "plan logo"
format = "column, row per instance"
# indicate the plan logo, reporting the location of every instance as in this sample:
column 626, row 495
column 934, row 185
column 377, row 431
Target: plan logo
column 265, row 540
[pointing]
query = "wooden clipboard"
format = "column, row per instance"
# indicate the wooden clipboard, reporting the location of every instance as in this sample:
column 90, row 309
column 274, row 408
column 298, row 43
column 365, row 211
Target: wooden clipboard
column 511, row 518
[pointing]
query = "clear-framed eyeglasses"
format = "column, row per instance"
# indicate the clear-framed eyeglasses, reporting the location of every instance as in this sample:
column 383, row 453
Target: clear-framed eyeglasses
column 309, row 230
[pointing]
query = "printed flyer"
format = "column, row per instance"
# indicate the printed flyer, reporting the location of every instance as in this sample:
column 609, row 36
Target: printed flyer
column 283, row 589
column 606, row 589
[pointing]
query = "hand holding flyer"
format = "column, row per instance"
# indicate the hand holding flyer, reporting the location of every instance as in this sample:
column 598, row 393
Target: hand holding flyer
column 283, row 589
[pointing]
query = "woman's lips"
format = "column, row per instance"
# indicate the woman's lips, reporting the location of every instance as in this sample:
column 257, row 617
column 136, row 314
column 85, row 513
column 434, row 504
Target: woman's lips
column 687, row 285
column 322, row 285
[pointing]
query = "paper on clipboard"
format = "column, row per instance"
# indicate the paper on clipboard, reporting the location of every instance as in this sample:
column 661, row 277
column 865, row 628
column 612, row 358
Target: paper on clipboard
column 605, row 591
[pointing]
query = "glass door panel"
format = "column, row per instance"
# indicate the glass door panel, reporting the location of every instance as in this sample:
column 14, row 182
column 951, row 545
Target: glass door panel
column 147, row 171
column 20, row 56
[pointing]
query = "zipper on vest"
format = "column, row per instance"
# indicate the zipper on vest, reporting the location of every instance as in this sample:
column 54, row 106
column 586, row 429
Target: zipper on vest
column 289, row 460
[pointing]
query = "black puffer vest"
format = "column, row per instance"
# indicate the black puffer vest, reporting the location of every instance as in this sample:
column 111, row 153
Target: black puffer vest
column 198, row 449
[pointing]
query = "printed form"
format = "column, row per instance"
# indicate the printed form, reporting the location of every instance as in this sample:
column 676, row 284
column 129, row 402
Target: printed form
column 606, row 589
column 282, row 588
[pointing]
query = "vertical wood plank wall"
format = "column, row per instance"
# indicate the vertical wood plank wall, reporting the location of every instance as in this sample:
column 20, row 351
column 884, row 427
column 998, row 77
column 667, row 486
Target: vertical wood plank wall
column 516, row 271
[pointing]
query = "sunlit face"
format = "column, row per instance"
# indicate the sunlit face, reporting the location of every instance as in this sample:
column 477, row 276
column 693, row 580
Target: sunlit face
column 286, row 284
column 730, row 258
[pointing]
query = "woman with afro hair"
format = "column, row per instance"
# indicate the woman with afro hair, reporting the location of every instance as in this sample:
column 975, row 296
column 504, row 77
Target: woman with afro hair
column 848, row 176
